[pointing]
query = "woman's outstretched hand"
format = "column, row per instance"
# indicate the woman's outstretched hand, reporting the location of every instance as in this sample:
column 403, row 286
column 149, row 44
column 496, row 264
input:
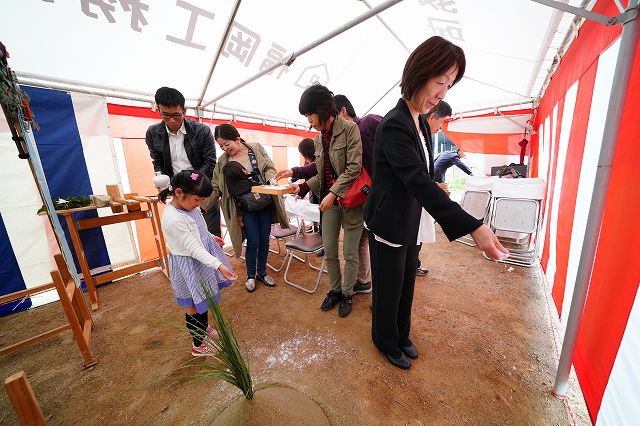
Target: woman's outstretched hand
column 489, row 244
column 227, row 273
column 284, row 174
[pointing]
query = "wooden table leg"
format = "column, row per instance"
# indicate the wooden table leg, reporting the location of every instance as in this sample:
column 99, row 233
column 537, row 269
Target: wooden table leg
column 159, row 235
column 82, row 260
column 23, row 399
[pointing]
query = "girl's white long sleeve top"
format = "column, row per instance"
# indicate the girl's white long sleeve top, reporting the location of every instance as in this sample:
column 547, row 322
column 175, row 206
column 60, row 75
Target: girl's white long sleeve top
column 183, row 237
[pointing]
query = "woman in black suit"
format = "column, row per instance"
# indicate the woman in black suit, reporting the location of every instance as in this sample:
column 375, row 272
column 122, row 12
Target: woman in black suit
column 402, row 185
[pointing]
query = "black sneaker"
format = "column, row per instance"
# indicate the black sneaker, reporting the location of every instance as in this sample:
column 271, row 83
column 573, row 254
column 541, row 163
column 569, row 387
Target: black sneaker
column 359, row 287
column 332, row 299
column 345, row 306
column 421, row 272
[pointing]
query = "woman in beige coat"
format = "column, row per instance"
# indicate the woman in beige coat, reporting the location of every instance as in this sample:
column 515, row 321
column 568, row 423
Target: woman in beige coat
column 255, row 225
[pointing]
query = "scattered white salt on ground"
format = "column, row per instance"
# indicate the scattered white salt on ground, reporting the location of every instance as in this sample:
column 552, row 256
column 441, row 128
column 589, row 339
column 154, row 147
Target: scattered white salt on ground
column 300, row 350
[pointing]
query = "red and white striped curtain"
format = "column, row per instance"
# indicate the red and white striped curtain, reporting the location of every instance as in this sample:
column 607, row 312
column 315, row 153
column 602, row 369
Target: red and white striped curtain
column 570, row 122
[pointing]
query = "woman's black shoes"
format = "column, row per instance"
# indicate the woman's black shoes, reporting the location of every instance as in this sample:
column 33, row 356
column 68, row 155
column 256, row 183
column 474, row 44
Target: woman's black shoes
column 345, row 306
column 332, row 299
column 410, row 351
column 401, row 362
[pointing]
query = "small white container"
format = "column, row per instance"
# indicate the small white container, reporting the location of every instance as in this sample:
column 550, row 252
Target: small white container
column 161, row 181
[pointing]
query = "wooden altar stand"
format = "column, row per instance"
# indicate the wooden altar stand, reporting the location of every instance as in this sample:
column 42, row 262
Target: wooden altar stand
column 79, row 319
column 132, row 204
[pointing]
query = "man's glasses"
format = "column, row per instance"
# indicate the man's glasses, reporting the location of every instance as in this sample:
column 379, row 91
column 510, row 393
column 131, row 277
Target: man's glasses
column 167, row 116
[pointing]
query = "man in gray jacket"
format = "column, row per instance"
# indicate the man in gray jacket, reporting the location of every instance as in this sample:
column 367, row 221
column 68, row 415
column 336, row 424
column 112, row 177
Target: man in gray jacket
column 177, row 144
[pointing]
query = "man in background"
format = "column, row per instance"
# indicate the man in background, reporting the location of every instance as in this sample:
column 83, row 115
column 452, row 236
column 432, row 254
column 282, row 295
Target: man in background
column 446, row 160
column 177, row 144
column 427, row 231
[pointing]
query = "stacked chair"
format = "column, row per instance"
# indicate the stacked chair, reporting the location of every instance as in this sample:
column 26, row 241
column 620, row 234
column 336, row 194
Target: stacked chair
column 515, row 216
column 476, row 201
column 512, row 209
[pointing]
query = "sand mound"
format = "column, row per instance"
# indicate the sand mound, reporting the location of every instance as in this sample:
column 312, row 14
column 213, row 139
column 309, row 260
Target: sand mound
column 274, row 406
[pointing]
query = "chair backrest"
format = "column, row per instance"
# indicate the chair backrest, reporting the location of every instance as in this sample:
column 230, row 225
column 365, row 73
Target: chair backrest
column 476, row 203
column 515, row 215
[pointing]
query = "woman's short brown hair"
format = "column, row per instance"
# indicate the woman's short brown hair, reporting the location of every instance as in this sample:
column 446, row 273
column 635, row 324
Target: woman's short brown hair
column 434, row 57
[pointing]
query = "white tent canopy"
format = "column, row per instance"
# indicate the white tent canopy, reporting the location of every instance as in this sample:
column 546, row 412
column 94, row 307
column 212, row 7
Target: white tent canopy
column 135, row 47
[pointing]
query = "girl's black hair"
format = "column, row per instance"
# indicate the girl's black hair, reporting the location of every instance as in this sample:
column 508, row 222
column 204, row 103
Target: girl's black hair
column 190, row 182
column 226, row 131
column 307, row 148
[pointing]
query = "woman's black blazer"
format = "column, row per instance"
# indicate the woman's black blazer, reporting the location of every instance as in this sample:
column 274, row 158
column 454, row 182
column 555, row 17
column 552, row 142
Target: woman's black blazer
column 402, row 184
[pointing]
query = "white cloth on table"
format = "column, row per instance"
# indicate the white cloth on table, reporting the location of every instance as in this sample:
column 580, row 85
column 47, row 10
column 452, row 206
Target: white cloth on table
column 302, row 208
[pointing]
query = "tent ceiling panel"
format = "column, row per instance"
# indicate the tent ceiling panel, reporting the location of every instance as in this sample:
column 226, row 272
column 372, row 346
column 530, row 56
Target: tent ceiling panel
column 143, row 45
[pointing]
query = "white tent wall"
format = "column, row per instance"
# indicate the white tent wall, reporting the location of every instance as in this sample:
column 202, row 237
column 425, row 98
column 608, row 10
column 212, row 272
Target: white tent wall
column 99, row 153
column 30, row 236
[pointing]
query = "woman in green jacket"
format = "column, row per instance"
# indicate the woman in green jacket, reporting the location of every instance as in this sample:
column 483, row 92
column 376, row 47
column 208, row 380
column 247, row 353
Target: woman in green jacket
column 255, row 225
column 341, row 139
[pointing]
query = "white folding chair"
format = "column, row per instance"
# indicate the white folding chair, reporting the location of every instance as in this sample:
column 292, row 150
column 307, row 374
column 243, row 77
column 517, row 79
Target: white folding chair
column 305, row 244
column 476, row 201
column 515, row 217
column 279, row 234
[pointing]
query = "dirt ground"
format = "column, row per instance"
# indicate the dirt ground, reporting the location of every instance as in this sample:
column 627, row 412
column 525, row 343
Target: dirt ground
column 483, row 331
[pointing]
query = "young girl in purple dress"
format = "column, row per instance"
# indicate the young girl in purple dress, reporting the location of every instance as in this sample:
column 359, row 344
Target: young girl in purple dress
column 195, row 257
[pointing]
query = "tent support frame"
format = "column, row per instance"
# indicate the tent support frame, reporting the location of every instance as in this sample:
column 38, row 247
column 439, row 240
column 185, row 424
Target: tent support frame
column 232, row 17
column 113, row 92
column 288, row 60
column 624, row 63
column 603, row 19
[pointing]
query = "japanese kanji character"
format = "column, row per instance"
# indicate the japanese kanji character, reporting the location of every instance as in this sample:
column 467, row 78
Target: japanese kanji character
column 441, row 5
column 274, row 55
column 312, row 75
column 241, row 43
column 195, row 12
column 135, row 7
column 452, row 31
column 105, row 7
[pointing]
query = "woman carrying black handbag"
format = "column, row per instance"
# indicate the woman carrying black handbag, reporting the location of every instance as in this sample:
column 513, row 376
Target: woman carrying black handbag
column 257, row 219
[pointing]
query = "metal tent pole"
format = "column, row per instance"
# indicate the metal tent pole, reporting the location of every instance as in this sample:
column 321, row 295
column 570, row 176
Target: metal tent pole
column 554, row 23
column 288, row 60
column 219, row 51
column 628, row 45
column 556, row 4
column 493, row 108
column 382, row 97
